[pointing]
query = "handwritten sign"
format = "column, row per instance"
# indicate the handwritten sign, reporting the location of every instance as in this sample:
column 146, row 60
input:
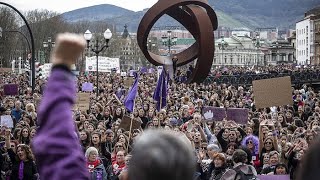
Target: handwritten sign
column 272, row 92
column 87, row 87
column 10, row 89
column 83, row 100
column 128, row 82
column 239, row 115
column 213, row 113
column 7, row 121
column 126, row 122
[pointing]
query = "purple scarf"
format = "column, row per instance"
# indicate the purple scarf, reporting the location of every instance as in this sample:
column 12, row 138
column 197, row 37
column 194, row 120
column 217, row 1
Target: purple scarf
column 21, row 167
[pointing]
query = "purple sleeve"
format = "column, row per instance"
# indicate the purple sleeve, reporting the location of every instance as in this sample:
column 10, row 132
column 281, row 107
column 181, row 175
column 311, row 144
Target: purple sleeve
column 56, row 146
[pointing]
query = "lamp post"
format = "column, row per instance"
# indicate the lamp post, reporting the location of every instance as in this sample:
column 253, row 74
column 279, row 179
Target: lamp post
column 97, row 49
column 222, row 46
column 33, row 72
column 169, row 41
column 49, row 45
column 256, row 43
column 150, row 45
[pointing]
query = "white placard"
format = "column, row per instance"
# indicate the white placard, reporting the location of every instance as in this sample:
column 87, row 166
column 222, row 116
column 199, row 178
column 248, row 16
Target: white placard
column 106, row 64
column 159, row 69
column 6, row 120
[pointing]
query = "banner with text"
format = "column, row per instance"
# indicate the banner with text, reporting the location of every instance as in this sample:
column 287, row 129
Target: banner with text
column 105, row 64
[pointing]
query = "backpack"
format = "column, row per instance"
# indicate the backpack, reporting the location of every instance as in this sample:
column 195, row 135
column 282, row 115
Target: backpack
column 244, row 176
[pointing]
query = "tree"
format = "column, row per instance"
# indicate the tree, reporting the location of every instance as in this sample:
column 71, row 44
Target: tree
column 9, row 21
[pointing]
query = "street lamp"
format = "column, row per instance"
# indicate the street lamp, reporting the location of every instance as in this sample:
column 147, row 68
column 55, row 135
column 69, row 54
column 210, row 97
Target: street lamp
column 48, row 45
column 222, row 46
column 150, row 45
column 168, row 40
column 256, row 43
column 97, row 49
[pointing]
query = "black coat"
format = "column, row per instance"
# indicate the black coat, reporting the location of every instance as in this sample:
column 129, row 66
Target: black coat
column 29, row 171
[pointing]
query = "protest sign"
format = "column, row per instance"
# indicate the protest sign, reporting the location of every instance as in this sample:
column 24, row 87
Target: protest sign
column 274, row 177
column 87, row 87
column 126, row 122
column 10, row 89
column 6, row 120
column 128, row 82
column 82, row 102
column 105, row 64
column 272, row 92
column 239, row 115
column 213, row 113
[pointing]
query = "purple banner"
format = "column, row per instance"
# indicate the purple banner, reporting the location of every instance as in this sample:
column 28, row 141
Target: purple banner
column 10, row 89
column 87, row 87
column 274, row 177
column 213, row 113
column 239, row 115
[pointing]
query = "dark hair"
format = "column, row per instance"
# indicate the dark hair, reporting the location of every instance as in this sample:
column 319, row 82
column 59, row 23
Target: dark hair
column 280, row 165
column 165, row 157
column 240, row 156
column 235, row 145
column 249, row 154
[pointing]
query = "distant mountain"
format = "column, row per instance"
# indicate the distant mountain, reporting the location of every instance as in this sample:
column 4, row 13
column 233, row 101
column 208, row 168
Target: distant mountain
column 266, row 13
column 95, row 13
column 231, row 13
column 120, row 17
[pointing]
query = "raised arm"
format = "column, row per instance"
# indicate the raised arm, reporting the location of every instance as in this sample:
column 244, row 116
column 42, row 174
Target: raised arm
column 56, row 145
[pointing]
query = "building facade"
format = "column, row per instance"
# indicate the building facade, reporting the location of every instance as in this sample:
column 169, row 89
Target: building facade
column 237, row 51
column 308, row 38
column 304, row 40
column 281, row 52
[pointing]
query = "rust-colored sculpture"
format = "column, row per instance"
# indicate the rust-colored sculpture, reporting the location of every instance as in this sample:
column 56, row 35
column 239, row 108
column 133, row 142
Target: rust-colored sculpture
column 195, row 15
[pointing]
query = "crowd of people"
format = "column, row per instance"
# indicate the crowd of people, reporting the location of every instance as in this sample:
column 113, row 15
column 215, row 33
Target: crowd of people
column 273, row 142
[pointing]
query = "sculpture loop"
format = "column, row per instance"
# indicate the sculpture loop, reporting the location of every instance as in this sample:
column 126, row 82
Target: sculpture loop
column 199, row 19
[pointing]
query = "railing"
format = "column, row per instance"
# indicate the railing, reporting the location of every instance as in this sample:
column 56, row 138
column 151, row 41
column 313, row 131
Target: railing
column 297, row 78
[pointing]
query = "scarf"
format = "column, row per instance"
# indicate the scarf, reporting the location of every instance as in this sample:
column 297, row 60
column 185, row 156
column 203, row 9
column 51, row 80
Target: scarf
column 92, row 165
column 21, row 168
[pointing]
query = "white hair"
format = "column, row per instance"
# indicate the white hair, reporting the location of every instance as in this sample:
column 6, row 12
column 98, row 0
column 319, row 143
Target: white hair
column 89, row 150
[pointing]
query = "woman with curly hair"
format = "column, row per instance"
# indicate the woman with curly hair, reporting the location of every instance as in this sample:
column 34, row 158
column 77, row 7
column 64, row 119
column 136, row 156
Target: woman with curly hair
column 252, row 143
column 23, row 166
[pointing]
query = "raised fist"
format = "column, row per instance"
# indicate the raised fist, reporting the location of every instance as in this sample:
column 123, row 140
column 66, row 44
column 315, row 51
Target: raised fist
column 208, row 115
column 68, row 49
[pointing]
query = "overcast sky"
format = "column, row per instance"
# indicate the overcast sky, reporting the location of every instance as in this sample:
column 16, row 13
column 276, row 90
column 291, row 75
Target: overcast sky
column 68, row 5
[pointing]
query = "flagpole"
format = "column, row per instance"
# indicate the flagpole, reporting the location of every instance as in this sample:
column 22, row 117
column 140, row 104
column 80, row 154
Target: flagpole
column 131, row 119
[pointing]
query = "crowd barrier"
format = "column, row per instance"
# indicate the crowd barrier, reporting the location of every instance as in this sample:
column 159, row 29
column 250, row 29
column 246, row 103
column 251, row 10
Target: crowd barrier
column 297, row 78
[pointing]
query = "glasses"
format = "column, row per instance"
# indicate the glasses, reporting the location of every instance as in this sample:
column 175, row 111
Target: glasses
column 249, row 142
column 119, row 146
column 268, row 142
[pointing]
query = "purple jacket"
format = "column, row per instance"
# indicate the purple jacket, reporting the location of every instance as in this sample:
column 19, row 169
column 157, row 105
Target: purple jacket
column 56, row 145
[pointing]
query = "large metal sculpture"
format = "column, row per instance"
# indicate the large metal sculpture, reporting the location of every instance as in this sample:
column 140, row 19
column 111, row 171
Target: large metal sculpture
column 196, row 16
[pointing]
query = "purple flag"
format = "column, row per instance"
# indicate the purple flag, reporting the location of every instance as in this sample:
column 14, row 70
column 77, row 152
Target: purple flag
column 160, row 93
column 129, row 100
